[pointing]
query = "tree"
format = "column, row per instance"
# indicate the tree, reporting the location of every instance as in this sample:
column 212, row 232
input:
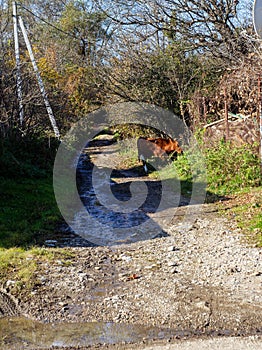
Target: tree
column 213, row 27
column 88, row 29
column 165, row 78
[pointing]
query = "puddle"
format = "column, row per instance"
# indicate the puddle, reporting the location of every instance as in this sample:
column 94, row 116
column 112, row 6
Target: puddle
column 22, row 333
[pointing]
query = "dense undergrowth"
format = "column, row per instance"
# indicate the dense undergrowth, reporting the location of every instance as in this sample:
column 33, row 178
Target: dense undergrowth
column 27, row 157
column 232, row 169
column 27, row 206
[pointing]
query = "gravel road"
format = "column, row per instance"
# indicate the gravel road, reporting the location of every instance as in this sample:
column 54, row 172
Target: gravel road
column 203, row 280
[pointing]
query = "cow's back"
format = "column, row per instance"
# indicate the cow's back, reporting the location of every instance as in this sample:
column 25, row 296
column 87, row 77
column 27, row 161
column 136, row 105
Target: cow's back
column 148, row 148
column 157, row 147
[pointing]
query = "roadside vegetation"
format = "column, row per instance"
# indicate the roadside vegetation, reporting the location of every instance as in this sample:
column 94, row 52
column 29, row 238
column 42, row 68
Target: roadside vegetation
column 28, row 210
column 245, row 208
column 28, row 215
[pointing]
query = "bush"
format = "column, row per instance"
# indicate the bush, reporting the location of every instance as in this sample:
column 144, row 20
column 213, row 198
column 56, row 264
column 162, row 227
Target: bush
column 231, row 169
column 30, row 157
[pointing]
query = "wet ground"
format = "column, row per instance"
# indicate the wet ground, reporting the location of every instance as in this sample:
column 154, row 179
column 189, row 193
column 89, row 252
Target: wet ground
column 25, row 333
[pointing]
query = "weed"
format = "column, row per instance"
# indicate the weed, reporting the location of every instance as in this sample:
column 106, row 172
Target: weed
column 245, row 208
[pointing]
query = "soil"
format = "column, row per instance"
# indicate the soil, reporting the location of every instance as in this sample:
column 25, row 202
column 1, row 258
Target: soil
column 198, row 281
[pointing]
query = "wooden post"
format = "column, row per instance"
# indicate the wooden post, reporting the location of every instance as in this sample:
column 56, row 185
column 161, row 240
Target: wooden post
column 258, row 98
column 18, row 66
column 259, row 116
column 204, row 109
column 39, row 79
column 226, row 115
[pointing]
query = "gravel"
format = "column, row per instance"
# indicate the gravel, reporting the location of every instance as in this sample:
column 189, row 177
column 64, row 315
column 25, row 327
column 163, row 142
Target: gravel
column 204, row 279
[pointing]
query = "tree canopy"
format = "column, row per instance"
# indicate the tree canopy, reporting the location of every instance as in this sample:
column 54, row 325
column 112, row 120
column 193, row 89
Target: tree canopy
column 172, row 53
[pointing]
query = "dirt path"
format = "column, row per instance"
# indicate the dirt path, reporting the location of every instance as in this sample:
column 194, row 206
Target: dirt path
column 192, row 280
column 201, row 280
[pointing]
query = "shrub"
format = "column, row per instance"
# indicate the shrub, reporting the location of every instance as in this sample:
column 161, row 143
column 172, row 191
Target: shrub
column 231, row 169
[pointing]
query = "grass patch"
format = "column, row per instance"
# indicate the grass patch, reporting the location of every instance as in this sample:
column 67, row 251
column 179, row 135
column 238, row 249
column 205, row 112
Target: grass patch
column 229, row 169
column 27, row 209
column 19, row 265
column 245, row 209
column 173, row 173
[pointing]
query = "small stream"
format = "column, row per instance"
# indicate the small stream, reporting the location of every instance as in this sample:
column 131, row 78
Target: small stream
column 123, row 205
column 117, row 205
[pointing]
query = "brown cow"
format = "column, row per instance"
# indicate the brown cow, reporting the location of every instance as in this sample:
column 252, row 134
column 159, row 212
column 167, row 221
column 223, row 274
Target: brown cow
column 149, row 147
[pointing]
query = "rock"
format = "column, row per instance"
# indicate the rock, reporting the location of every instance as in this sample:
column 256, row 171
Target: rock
column 115, row 299
column 172, row 263
column 150, row 267
column 10, row 283
column 138, row 296
column 126, row 258
column 51, row 243
column 172, row 249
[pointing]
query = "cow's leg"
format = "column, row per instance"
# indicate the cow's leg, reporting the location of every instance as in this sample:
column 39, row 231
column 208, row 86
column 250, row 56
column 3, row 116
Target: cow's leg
column 173, row 156
column 142, row 159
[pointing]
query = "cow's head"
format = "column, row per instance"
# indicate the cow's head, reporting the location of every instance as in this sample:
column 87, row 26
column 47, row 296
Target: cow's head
column 175, row 147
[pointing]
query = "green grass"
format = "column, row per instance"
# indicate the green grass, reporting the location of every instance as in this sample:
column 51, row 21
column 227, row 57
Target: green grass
column 28, row 212
column 245, row 210
column 27, row 209
column 229, row 169
column 232, row 169
column 19, row 265
column 255, row 228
